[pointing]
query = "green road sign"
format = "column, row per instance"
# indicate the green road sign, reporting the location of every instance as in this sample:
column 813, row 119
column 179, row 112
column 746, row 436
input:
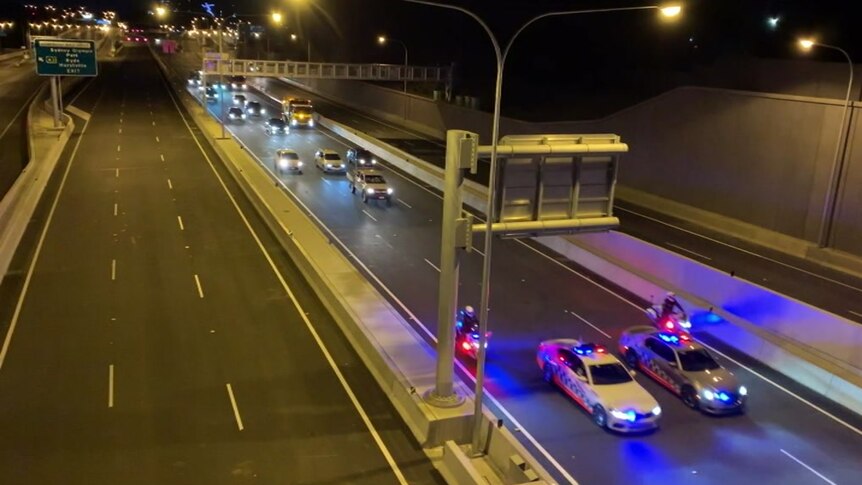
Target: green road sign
column 58, row 57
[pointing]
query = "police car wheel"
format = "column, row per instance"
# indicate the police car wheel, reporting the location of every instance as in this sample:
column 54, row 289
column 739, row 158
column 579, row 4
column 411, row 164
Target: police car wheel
column 689, row 397
column 632, row 359
column 548, row 374
column 600, row 417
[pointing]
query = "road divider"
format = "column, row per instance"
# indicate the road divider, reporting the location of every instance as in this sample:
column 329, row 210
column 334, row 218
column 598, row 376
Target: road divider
column 400, row 360
column 811, row 346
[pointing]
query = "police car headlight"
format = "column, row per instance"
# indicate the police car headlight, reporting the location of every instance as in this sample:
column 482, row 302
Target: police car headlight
column 623, row 415
column 656, row 411
column 709, row 395
column 369, row 191
column 743, row 391
column 389, row 191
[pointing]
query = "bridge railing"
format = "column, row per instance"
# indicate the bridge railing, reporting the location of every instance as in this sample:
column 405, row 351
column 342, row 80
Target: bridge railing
column 325, row 70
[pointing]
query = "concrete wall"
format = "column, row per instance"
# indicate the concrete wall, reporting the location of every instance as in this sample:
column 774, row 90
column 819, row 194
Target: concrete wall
column 759, row 158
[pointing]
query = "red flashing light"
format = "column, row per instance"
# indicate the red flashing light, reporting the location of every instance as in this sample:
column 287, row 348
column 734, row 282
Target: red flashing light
column 465, row 345
column 668, row 324
column 601, row 350
column 684, row 337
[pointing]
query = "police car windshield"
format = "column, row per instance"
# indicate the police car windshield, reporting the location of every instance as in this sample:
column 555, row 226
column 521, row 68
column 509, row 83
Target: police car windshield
column 697, row 361
column 604, row 374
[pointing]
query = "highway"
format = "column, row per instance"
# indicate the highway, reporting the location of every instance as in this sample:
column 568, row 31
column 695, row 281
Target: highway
column 815, row 284
column 789, row 435
column 160, row 334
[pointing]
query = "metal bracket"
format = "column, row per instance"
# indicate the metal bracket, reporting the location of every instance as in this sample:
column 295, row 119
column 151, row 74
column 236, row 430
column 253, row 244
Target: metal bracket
column 464, row 233
column 468, row 152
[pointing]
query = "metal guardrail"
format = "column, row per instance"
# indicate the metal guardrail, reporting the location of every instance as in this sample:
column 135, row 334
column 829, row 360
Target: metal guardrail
column 325, row 70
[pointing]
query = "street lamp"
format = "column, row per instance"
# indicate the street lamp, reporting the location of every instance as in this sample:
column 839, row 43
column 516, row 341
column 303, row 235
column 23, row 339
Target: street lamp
column 294, row 38
column 383, row 40
column 444, row 390
column 277, row 18
column 161, row 11
column 828, row 218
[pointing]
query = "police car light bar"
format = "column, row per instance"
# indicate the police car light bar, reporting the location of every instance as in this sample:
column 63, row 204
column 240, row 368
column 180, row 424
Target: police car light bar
column 587, row 349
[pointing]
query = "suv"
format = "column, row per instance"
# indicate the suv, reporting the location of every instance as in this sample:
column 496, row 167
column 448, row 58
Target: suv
column 254, row 108
column 235, row 114
column 371, row 185
column 361, row 157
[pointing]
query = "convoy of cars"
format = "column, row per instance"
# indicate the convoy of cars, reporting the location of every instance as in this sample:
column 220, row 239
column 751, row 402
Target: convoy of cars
column 602, row 384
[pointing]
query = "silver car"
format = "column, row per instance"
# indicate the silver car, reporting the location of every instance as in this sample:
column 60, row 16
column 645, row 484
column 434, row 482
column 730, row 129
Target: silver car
column 329, row 161
column 685, row 368
column 287, row 160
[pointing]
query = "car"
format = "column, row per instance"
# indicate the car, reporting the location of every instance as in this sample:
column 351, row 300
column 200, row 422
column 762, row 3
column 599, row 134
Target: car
column 235, row 114
column 329, row 161
column 194, row 78
column 237, row 82
column 276, row 126
column 287, row 160
column 598, row 382
column 210, row 94
column 685, row 368
column 371, row 185
column 254, row 108
column 239, row 99
column 361, row 157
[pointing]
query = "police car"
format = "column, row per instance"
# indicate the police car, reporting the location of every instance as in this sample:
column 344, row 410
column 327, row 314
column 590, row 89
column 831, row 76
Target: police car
column 599, row 383
column 684, row 367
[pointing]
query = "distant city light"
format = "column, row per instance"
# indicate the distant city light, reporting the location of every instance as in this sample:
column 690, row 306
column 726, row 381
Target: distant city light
column 773, row 22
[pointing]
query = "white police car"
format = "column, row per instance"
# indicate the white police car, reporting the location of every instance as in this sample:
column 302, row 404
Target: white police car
column 599, row 383
column 685, row 368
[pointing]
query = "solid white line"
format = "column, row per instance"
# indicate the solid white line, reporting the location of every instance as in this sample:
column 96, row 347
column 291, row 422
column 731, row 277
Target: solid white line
column 688, row 251
column 162, row 157
column 327, row 182
column 78, row 112
column 797, row 460
column 369, row 215
column 180, row 220
column 234, row 406
column 347, row 389
column 170, row 185
column 113, row 269
column 111, row 386
column 404, row 203
column 855, row 313
column 115, row 208
column 198, row 284
column 597, row 329
column 432, row 265
column 476, row 250
column 14, row 322
column 746, row 251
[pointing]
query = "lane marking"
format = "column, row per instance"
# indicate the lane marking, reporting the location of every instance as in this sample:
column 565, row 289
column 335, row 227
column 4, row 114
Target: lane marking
column 327, row 182
column 198, row 284
column 234, row 406
column 157, row 140
column 378, row 236
column 180, row 220
column 170, row 185
column 742, row 250
column 369, row 215
column 597, row 329
column 405, row 204
column 162, row 157
column 476, row 250
column 432, row 265
column 344, row 384
column 797, row 460
column 18, row 113
column 115, row 208
column 688, row 251
column 118, row 148
column 855, row 313
column 154, row 123
column 113, row 270
column 117, row 173
column 111, row 386
column 120, row 131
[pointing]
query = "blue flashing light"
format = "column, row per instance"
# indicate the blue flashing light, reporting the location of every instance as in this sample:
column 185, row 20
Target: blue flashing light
column 723, row 396
column 475, row 336
column 587, row 349
column 669, row 338
column 628, row 415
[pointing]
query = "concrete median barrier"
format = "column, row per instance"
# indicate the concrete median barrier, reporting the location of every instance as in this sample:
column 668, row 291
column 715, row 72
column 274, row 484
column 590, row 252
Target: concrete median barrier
column 401, row 361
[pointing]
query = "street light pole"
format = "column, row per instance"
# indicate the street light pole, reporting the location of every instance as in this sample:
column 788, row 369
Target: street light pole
column 382, row 40
column 827, row 219
column 670, row 11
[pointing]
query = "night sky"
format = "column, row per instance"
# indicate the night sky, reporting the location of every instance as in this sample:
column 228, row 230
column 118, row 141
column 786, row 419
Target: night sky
column 556, row 58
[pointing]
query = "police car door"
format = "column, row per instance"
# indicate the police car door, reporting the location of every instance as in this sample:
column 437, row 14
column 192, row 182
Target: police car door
column 663, row 363
column 573, row 376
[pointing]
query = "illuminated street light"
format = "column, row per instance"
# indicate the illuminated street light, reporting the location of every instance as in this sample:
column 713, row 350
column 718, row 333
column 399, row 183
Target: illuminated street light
column 827, row 219
column 277, row 17
column 383, row 40
column 443, row 394
column 161, row 11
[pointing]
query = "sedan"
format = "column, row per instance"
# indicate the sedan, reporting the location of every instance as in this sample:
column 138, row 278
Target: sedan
column 235, row 114
column 287, row 160
column 276, row 126
column 329, row 161
column 254, row 108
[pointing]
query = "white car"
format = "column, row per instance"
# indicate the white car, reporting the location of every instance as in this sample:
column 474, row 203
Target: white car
column 598, row 382
column 329, row 161
column 287, row 160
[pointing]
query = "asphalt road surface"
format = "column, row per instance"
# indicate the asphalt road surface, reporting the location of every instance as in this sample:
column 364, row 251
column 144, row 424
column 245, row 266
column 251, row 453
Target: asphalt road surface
column 817, row 285
column 789, row 434
column 162, row 336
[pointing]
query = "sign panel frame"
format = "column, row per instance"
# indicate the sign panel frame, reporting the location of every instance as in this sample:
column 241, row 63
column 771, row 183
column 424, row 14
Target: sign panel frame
column 66, row 57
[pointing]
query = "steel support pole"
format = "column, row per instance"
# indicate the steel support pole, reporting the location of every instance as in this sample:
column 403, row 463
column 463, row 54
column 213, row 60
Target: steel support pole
column 443, row 394
column 221, row 80
column 55, row 102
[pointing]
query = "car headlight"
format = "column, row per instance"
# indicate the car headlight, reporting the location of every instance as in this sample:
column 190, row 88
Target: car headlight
column 298, row 164
column 328, row 165
column 624, row 415
column 743, row 391
column 311, row 123
column 262, row 111
column 362, row 161
column 656, row 411
column 282, row 162
column 243, row 116
column 369, row 191
column 389, row 191
column 373, row 161
column 293, row 122
column 709, row 395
